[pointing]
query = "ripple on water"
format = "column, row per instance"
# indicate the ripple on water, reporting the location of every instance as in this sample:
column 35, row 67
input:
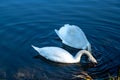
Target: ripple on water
column 23, row 23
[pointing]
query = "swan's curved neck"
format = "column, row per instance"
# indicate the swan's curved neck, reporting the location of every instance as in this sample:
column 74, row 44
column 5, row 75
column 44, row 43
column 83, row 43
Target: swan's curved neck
column 80, row 53
column 89, row 47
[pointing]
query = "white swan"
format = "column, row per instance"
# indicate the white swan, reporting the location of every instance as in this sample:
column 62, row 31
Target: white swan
column 60, row 55
column 73, row 36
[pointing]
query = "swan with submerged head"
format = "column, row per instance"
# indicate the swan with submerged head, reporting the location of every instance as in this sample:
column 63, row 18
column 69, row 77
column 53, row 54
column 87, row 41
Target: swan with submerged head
column 60, row 55
column 73, row 36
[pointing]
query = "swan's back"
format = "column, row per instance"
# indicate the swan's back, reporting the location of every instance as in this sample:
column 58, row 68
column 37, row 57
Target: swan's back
column 73, row 36
column 55, row 54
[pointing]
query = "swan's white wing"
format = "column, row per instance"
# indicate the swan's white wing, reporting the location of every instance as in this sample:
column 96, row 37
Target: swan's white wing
column 73, row 36
column 55, row 54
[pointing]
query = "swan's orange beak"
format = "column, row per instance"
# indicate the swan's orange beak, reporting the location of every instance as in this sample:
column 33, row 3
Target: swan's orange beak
column 94, row 64
column 93, row 61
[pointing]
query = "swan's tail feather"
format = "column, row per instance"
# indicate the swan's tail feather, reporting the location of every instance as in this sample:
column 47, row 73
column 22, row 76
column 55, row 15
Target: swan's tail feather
column 56, row 32
column 36, row 48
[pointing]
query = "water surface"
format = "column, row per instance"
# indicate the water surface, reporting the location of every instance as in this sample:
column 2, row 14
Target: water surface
column 26, row 22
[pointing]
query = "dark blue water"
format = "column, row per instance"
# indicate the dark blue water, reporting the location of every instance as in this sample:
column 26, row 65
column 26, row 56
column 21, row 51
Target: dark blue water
column 26, row 22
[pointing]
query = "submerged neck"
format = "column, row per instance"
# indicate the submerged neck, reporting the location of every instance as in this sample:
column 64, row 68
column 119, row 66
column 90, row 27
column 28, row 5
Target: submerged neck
column 89, row 47
column 80, row 53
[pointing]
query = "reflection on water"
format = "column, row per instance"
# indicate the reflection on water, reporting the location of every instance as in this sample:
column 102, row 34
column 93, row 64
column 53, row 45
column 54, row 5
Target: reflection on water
column 24, row 22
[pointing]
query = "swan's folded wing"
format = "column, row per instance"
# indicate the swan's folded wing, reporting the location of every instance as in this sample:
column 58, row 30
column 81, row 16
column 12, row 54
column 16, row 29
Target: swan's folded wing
column 73, row 36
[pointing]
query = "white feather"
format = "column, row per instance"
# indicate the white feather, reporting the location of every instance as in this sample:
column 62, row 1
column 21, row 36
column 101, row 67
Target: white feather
column 57, row 54
column 73, row 36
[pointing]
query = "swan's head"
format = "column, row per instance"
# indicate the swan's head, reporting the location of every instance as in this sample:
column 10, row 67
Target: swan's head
column 93, row 60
